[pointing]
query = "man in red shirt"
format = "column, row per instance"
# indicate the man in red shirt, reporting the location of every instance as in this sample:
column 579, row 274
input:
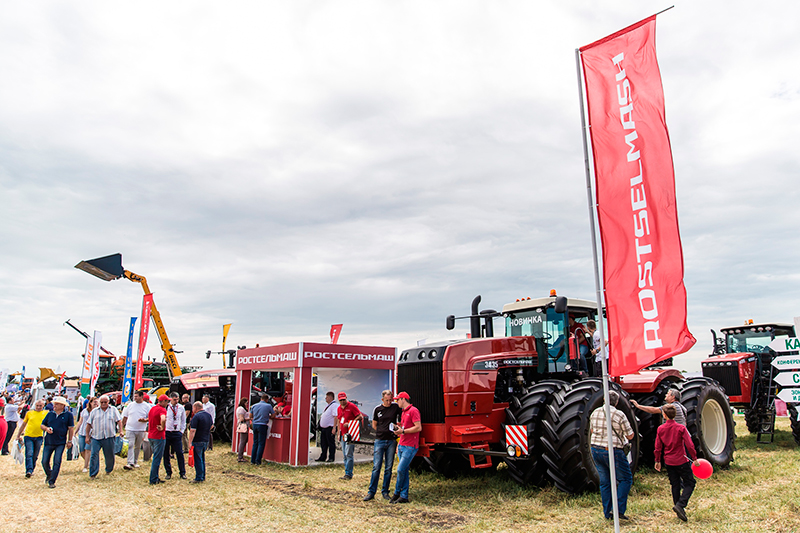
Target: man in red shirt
column 408, row 431
column 347, row 413
column 674, row 440
column 156, row 434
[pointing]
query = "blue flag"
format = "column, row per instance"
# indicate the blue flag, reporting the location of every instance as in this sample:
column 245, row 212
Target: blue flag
column 127, row 382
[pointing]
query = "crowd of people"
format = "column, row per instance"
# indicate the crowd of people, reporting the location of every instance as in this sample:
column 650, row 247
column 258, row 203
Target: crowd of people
column 169, row 428
column 173, row 426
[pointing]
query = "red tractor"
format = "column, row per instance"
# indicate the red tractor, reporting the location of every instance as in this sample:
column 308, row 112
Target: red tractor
column 742, row 364
column 522, row 399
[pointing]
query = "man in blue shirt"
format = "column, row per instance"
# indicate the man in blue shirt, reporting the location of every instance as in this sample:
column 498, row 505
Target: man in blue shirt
column 199, row 437
column 260, row 414
column 58, row 426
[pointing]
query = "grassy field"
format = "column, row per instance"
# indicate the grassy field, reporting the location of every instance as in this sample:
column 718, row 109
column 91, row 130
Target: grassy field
column 760, row 492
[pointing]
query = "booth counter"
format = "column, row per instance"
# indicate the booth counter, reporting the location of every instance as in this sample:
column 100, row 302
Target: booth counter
column 277, row 447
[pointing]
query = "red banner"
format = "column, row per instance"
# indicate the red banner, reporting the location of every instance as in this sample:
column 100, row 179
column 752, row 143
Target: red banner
column 636, row 209
column 144, row 328
column 336, row 329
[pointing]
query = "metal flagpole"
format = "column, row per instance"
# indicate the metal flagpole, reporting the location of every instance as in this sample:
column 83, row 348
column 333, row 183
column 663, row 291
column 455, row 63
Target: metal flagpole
column 599, row 290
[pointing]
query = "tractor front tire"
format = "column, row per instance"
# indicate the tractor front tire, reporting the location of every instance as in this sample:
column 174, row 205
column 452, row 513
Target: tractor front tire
column 709, row 420
column 533, row 470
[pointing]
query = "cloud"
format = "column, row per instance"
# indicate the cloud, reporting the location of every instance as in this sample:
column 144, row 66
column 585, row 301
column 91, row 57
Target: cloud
column 286, row 167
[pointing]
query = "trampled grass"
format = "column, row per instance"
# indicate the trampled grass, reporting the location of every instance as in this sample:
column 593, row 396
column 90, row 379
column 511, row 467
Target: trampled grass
column 759, row 492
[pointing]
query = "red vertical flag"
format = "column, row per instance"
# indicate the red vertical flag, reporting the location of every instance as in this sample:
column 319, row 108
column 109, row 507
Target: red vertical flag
column 336, row 329
column 144, row 328
column 636, row 209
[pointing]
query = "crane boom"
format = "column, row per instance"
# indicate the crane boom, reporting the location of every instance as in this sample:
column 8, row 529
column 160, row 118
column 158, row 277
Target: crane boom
column 169, row 351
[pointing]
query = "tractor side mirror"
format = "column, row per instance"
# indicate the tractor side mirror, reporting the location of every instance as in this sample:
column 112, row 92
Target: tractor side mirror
column 561, row 304
column 451, row 322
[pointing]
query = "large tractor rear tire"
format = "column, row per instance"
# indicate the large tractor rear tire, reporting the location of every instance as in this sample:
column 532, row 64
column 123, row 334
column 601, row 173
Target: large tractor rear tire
column 709, row 420
column 566, row 437
column 792, row 409
column 533, row 470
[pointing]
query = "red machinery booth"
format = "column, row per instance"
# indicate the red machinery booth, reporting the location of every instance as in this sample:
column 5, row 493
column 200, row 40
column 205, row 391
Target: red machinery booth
column 361, row 371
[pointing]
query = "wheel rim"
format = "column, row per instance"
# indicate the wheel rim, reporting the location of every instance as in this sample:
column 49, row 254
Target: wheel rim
column 714, row 427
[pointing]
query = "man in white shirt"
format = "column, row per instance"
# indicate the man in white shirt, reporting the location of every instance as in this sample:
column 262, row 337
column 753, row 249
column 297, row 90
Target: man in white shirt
column 134, row 419
column 209, row 408
column 11, row 413
column 326, row 423
column 176, row 424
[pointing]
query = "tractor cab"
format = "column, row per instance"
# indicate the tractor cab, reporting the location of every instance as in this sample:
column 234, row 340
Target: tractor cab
column 742, row 359
column 547, row 320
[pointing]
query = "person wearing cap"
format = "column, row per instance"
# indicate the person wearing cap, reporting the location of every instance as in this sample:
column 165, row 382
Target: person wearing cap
column 157, row 420
column 346, row 414
column 102, row 428
column 58, row 426
column 408, row 431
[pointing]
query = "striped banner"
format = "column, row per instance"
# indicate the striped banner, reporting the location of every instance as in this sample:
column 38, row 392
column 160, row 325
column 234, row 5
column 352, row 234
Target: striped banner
column 517, row 435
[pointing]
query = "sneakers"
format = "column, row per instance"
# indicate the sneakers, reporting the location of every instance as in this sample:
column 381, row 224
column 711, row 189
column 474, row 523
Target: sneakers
column 369, row 496
column 85, row 470
column 399, row 500
column 157, row 482
column 168, row 476
column 346, row 477
column 28, row 474
column 183, row 476
column 51, row 485
column 126, row 467
column 385, row 495
column 680, row 512
column 394, row 497
column 137, row 465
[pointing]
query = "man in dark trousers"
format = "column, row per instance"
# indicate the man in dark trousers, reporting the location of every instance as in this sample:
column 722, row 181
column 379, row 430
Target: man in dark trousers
column 260, row 414
column 199, row 437
column 176, row 424
column 58, row 426
column 674, row 440
column 384, row 418
column 327, row 420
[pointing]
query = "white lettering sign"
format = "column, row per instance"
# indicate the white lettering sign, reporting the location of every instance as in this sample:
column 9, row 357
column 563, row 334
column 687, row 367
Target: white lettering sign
column 643, row 245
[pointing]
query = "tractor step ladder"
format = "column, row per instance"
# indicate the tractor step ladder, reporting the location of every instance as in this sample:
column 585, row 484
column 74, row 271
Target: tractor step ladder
column 766, row 419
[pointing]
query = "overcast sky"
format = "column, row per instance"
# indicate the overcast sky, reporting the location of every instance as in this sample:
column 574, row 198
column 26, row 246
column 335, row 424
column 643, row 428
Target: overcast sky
column 285, row 166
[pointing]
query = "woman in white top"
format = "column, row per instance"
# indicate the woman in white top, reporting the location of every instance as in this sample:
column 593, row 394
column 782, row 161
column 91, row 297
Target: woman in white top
column 91, row 403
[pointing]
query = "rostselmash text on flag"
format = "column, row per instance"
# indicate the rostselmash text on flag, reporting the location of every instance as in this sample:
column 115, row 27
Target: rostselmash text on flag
column 144, row 328
column 636, row 210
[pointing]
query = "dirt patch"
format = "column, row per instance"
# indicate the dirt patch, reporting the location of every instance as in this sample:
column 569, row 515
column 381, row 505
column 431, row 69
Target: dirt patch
column 430, row 519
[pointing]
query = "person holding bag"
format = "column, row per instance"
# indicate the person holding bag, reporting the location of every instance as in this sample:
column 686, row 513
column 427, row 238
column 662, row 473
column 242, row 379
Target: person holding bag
column 242, row 428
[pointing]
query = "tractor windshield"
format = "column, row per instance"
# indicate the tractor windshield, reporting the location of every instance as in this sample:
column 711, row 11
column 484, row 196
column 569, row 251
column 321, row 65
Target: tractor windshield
column 543, row 324
column 753, row 340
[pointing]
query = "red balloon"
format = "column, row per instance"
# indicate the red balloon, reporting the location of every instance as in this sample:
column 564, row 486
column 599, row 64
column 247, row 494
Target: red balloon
column 703, row 470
